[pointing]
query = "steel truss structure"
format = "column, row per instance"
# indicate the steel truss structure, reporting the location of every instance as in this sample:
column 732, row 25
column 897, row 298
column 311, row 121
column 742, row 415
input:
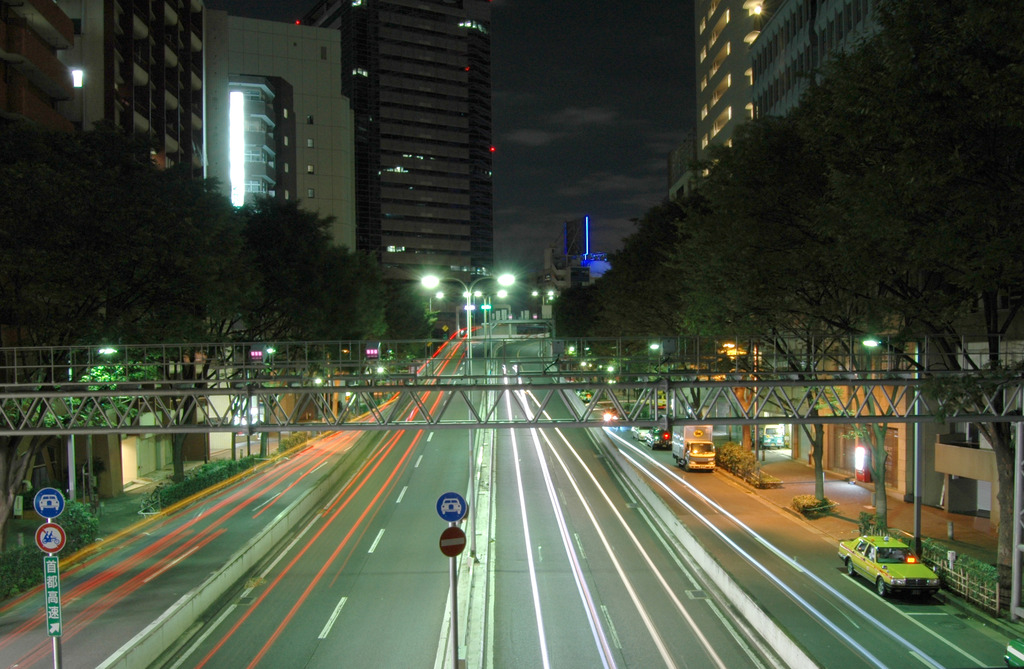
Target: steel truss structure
column 401, row 385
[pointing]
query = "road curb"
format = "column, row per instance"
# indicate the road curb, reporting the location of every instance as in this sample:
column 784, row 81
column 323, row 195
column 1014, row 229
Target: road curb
column 787, row 650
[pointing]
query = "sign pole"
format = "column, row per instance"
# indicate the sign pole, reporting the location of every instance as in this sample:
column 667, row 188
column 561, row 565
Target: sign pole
column 451, row 506
column 454, row 642
column 50, row 538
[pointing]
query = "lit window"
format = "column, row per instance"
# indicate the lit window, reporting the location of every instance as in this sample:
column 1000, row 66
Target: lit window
column 310, row 192
column 76, row 78
column 309, row 119
column 309, row 143
column 360, row 72
column 396, row 249
column 309, row 169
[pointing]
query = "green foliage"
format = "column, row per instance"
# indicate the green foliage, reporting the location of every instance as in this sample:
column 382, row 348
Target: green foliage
column 203, row 477
column 292, row 440
column 21, row 568
column 812, row 507
column 80, row 525
column 738, row 460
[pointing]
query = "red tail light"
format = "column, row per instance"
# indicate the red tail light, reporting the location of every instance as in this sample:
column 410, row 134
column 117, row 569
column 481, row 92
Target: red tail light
column 665, row 436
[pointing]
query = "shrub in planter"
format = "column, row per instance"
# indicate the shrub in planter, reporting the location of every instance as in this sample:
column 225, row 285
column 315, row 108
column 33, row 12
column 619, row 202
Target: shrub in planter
column 812, row 507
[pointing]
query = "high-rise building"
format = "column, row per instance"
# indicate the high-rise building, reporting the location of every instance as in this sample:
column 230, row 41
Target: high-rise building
column 797, row 37
column 418, row 75
column 33, row 80
column 725, row 31
column 277, row 123
column 141, row 63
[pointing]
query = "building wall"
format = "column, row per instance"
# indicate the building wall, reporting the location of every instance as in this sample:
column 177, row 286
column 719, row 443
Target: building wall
column 797, row 37
column 142, row 63
column 33, row 80
column 418, row 75
column 725, row 30
column 317, row 156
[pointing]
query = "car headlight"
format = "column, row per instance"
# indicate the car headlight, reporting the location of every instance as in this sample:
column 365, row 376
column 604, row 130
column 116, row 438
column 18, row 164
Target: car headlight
column 899, row 581
column 933, row 581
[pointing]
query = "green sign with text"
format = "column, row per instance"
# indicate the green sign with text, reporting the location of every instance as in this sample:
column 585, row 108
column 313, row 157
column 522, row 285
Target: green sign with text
column 51, row 577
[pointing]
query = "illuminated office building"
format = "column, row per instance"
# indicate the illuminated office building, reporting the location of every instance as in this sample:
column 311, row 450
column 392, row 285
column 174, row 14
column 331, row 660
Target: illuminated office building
column 417, row 73
column 277, row 123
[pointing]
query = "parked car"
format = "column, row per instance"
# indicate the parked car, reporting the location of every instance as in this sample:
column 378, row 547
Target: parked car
column 657, row 438
column 889, row 564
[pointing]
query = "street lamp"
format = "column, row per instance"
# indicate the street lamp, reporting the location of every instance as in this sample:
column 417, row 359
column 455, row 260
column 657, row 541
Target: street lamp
column 431, row 281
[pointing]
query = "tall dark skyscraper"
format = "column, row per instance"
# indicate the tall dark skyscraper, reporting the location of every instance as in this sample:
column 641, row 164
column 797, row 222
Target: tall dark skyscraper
column 418, row 74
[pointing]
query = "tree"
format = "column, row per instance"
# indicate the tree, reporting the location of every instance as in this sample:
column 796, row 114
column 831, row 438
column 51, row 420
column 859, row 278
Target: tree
column 98, row 245
column 640, row 293
column 308, row 289
column 920, row 129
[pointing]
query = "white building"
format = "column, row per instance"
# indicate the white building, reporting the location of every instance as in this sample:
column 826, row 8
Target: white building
column 295, row 141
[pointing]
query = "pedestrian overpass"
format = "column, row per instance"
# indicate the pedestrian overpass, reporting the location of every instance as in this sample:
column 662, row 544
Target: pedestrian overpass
column 464, row 383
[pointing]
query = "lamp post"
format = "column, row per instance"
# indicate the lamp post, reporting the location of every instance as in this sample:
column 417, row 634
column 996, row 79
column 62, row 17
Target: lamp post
column 431, row 282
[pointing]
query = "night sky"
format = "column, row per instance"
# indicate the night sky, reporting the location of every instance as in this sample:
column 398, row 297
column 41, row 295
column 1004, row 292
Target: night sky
column 589, row 99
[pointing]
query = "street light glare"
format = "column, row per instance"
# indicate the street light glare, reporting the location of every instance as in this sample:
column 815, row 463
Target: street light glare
column 506, row 279
column 430, row 281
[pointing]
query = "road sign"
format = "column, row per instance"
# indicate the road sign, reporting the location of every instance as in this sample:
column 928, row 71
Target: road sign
column 51, row 585
column 451, row 506
column 453, row 541
column 48, row 503
column 50, row 537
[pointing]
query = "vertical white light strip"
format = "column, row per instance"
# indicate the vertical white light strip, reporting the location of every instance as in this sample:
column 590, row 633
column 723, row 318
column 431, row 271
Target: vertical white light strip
column 236, row 147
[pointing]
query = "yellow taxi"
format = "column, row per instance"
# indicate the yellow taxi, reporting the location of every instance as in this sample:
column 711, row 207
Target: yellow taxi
column 889, row 564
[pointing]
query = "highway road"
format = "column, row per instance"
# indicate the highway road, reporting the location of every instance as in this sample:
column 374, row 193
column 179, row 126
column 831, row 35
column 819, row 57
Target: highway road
column 584, row 567
column 796, row 577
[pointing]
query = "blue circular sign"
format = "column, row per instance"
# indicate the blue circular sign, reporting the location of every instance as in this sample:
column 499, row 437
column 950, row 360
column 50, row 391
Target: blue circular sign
column 452, row 507
column 48, row 502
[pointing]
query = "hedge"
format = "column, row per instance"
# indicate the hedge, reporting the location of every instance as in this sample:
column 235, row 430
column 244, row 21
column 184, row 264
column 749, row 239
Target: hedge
column 740, row 461
column 21, row 568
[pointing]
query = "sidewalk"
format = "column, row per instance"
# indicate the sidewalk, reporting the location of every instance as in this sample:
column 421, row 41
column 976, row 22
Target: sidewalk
column 972, row 535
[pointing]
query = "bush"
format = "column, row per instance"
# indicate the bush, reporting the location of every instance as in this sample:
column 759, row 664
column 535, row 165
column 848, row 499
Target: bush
column 21, row 568
column 203, row 477
column 292, row 440
column 738, row 460
column 812, row 507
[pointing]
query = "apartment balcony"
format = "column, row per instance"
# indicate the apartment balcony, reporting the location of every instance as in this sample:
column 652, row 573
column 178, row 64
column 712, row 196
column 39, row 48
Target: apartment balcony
column 45, row 19
column 35, row 60
column 197, row 5
column 140, row 122
column 139, row 28
column 197, row 123
column 170, row 16
column 139, row 76
column 170, row 58
column 170, row 101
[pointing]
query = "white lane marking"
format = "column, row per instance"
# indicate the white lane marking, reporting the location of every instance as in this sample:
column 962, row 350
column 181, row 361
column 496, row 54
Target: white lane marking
column 605, row 651
column 334, row 616
column 418, row 461
column 430, row 435
column 376, row 541
column 611, row 627
column 268, row 501
column 204, row 636
column 170, row 564
column 785, row 558
column 529, row 552
column 401, row 495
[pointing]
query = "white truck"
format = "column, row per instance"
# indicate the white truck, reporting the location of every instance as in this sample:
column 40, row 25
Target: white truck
column 692, row 447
